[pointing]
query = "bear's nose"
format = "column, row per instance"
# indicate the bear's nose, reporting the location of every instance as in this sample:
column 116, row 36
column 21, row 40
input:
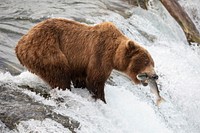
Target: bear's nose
column 154, row 76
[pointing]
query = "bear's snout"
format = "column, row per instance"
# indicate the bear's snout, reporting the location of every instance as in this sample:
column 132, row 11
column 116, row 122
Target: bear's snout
column 154, row 76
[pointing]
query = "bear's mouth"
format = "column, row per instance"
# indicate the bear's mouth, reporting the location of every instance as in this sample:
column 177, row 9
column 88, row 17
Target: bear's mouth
column 144, row 83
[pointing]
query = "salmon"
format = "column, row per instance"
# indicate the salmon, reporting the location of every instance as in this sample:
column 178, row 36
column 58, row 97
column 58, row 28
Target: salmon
column 154, row 89
column 145, row 79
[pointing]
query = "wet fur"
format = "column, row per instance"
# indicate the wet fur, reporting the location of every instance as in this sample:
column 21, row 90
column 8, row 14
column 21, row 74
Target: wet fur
column 61, row 51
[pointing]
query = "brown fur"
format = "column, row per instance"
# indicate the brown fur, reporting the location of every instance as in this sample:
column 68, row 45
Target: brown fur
column 61, row 51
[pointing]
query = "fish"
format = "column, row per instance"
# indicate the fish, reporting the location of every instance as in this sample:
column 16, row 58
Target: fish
column 151, row 81
column 154, row 89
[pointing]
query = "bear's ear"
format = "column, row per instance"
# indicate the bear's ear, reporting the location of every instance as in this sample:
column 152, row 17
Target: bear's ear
column 131, row 48
column 130, row 45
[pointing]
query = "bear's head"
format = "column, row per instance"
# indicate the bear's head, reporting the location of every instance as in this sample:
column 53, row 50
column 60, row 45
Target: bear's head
column 133, row 60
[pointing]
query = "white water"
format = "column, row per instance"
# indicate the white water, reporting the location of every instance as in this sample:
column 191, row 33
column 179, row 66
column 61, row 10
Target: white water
column 131, row 108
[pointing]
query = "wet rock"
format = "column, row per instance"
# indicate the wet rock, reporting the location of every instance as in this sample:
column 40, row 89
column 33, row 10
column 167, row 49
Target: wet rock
column 183, row 19
column 41, row 90
column 141, row 3
column 16, row 106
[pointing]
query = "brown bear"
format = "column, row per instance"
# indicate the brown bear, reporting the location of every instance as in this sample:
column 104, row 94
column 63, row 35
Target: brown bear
column 62, row 51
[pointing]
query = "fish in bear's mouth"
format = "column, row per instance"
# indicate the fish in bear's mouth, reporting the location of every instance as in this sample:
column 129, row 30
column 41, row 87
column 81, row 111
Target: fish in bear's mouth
column 150, row 80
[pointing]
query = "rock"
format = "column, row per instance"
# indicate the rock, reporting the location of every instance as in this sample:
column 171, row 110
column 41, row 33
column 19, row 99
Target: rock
column 16, row 106
column 140, row 3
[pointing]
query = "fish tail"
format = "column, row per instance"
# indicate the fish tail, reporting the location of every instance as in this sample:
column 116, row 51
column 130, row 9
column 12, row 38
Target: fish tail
column 159, row 101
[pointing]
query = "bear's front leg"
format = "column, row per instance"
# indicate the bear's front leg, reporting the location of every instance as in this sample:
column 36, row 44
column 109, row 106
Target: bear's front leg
column 99, row 91
column 79, row 82
column 96, row 87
